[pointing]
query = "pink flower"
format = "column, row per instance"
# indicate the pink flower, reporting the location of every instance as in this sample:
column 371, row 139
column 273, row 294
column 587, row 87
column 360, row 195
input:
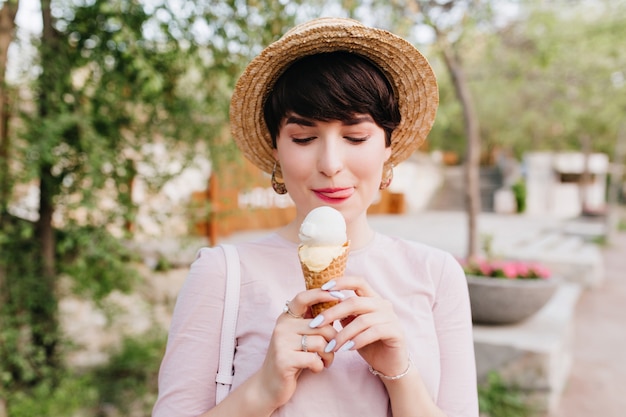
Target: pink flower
column 485, row 268
column 541, row 271
column 504, row 269
column 510, row 270
column 522, row 269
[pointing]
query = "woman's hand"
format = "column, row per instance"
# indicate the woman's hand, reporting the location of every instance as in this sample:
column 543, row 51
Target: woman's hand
column 370, row 325
column 295, row 346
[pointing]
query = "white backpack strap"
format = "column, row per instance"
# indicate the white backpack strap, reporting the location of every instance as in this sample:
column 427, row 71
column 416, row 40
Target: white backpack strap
column 224, row 376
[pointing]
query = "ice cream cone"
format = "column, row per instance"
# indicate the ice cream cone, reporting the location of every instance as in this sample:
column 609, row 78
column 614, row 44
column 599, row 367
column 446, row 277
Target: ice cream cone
column 315, row 279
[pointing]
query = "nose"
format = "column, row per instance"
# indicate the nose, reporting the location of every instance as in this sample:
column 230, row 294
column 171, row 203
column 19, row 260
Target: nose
column 330, row 158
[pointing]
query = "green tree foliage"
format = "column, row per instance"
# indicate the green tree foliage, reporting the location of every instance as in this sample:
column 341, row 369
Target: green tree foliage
column 125, row 88
column 112, row 80
column 542, row 74
column 552, row 75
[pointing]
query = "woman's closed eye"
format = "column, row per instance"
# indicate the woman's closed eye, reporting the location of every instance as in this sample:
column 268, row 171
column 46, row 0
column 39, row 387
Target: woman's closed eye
column 356, row 140
column 303, row 141
column 351, row 139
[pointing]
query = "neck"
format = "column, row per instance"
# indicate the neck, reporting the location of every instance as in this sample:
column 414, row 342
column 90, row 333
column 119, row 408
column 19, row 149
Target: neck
column 360, row 233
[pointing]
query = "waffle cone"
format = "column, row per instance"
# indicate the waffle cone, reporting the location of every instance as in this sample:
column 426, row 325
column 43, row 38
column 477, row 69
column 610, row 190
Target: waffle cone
column 317, row 279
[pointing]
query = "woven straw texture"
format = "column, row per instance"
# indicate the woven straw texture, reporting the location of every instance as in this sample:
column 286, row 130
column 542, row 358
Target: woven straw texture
column 407, row 69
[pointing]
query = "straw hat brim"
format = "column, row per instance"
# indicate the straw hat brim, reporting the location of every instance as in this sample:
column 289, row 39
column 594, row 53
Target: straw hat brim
column 407, row 69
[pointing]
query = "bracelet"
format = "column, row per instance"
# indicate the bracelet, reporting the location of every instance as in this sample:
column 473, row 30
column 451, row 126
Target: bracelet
column 395, row 377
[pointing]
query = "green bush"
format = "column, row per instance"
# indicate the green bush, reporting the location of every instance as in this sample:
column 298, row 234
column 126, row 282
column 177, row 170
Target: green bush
column 97, row 262
column 65, row 398
column 129, row 379
column 126, row 383
column 519, row 191
column 497, row 399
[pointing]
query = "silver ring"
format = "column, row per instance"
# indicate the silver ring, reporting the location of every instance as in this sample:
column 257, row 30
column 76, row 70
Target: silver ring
column 287, row 310
column 303, row 343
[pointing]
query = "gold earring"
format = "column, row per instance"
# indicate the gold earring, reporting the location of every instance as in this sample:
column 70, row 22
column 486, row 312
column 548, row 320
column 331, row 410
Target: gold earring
column 279, row 187
column 387, row 177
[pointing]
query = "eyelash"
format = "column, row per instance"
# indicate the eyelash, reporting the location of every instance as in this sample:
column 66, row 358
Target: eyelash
column 303, row 141
column 357, row 140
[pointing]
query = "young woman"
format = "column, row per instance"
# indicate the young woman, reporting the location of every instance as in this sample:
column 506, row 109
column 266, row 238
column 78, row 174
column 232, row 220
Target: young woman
column 329, row 109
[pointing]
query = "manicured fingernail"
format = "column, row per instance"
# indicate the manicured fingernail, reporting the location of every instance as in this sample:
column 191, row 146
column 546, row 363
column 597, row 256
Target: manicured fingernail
column 337, row 294
column 316, row 321
column 330, row 346
column 330, row 284
column 349, row 345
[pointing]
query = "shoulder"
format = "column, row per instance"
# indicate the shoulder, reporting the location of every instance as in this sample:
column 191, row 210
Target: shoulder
column 209, row 261
column 429, row 262
column 271, row 249
column 206, row 275
column 414, row 251
column 215, row 256
column 255, row 257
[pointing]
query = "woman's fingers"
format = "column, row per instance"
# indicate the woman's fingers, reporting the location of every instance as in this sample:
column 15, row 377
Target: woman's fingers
column 300, row 351
column 313, row 346
column 366, row 317
column 369, row 328
column 351, row 307
column 364, row 329
column 298, row 306
column 370, row 325
column 295, row 345
column 293, row 334
column 314, row 339
column 351, row 283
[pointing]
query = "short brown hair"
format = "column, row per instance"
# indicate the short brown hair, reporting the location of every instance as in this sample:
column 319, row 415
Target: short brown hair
column 332, row 86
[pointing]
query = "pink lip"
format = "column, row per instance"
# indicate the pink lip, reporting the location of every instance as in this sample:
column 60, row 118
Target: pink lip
column 333, row 195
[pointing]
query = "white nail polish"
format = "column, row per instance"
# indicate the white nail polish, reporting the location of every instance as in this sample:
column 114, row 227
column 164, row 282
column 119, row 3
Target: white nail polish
column 316, row 321
column 349, row 345
column 330, row 284
column 337, row 294
column 330, row 346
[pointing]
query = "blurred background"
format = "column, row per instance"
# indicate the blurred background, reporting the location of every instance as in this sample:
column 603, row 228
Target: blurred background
column 116, row 165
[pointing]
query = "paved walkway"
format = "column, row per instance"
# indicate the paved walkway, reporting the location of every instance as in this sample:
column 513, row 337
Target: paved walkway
column 598, row 375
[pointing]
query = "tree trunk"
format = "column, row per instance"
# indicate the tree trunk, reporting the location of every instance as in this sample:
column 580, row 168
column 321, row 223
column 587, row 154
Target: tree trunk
column 616, row 178
column 44, row 229
column 585, row 177
column 472, row 160
column 44, row 316
column 45, row 232
column 7, row 33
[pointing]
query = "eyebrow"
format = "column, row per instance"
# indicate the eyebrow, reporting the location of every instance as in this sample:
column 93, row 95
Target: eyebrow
column 357, row 120
column 297, row 120
column 293, row 119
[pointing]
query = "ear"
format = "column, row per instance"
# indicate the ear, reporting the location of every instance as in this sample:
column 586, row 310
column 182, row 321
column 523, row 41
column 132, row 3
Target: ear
column 275, row 153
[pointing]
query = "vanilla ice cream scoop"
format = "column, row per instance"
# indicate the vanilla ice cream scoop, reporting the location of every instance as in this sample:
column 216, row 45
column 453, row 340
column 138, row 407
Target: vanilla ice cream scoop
column 323, row 226
column 323, row 250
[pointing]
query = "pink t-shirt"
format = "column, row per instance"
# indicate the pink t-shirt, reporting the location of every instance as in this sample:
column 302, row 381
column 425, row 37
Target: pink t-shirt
column 429, row 293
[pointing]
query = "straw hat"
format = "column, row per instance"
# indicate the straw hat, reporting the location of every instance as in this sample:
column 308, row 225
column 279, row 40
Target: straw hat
column 406, row 68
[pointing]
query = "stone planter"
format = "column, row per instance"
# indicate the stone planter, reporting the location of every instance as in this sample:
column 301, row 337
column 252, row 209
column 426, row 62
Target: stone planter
column 508, row 301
